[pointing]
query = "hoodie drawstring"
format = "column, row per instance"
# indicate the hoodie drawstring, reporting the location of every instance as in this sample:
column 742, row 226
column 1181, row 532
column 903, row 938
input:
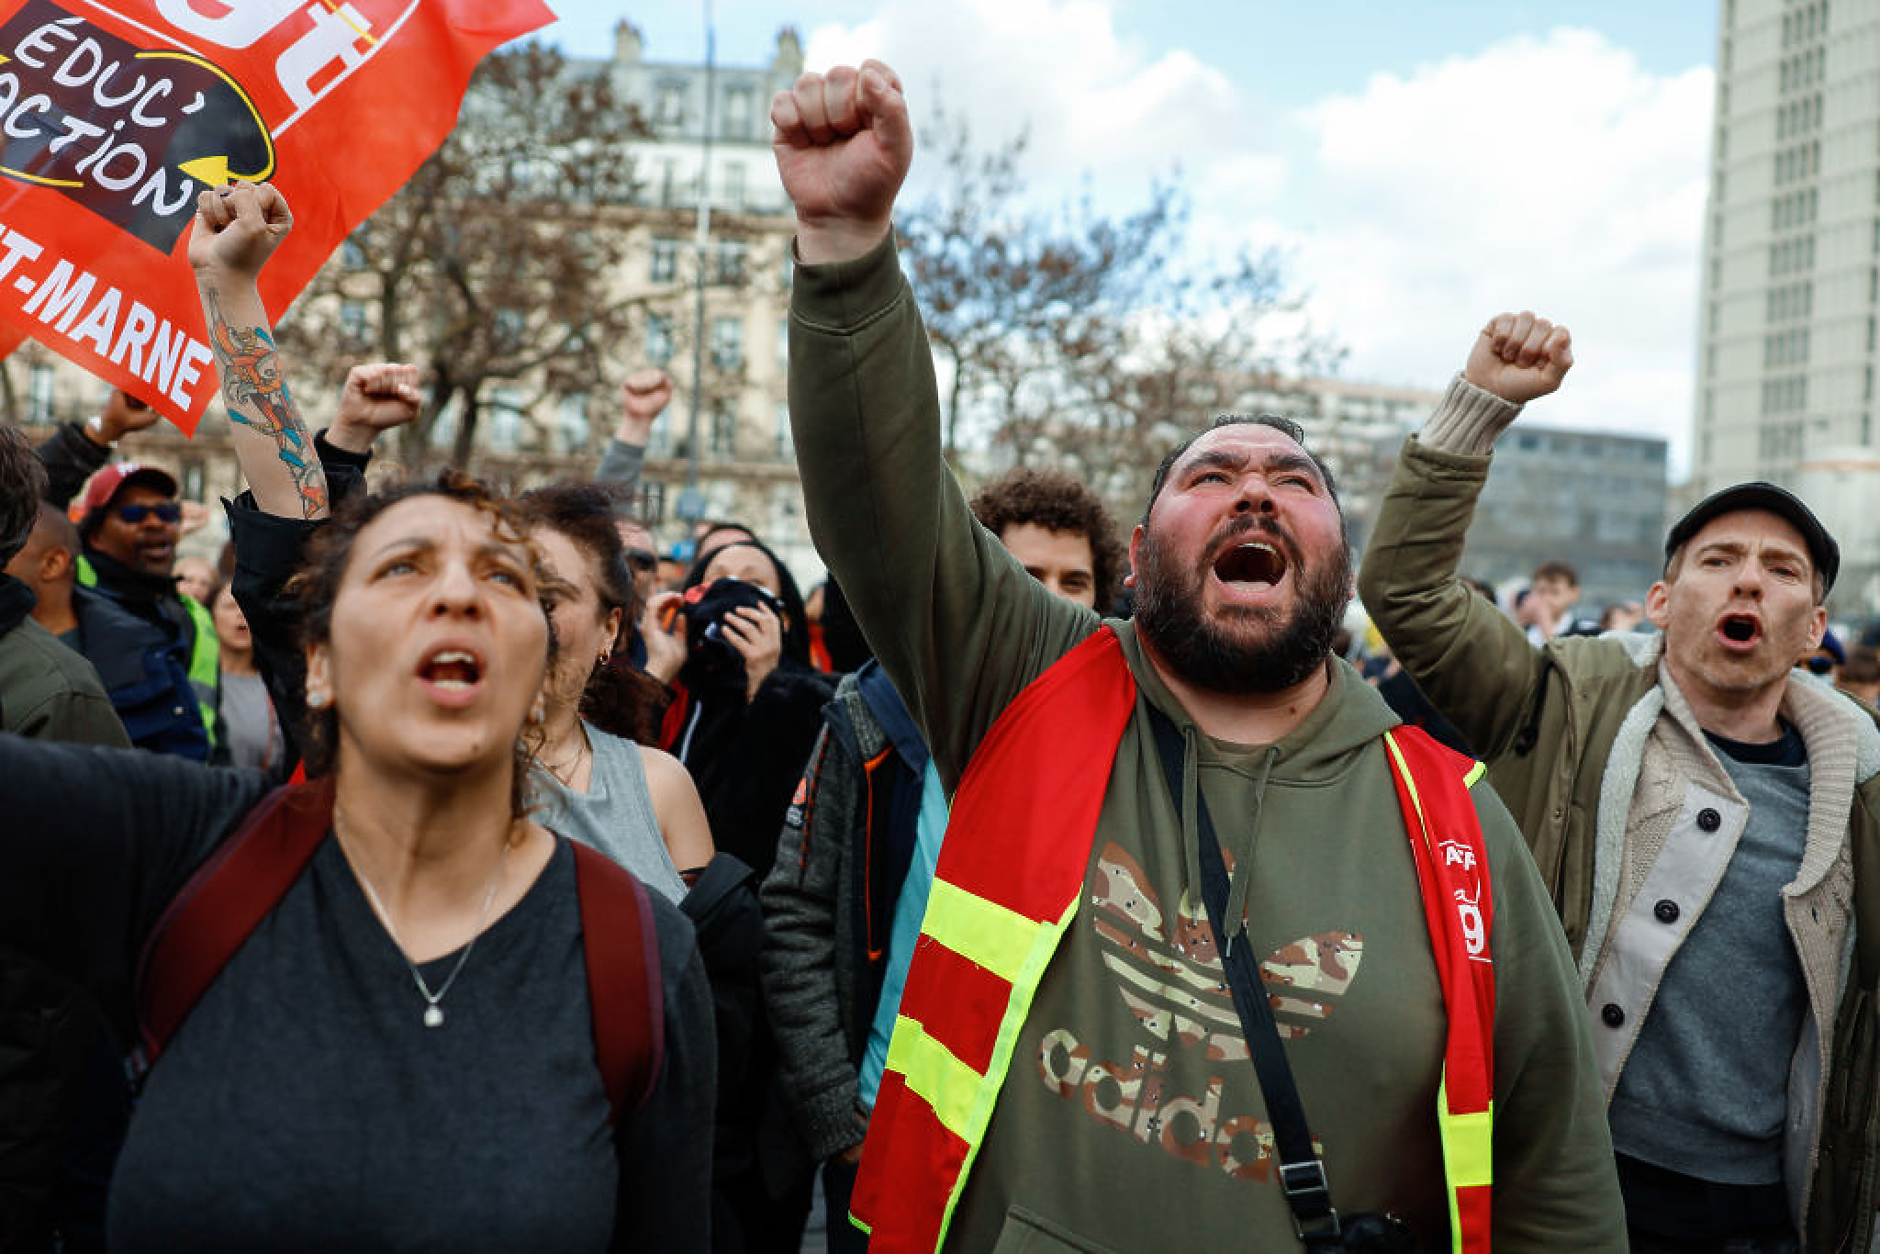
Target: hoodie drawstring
column 1240, row 879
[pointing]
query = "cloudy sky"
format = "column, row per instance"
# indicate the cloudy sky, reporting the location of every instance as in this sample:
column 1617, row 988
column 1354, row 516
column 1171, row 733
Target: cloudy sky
column 1421, row 166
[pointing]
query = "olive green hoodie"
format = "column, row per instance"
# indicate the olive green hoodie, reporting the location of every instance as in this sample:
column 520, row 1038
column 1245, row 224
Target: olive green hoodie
column 1130, row 1117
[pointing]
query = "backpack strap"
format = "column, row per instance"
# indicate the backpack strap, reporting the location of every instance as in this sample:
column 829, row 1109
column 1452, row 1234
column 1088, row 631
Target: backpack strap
column 228, row 896
column 626, row 992
column 249, row 873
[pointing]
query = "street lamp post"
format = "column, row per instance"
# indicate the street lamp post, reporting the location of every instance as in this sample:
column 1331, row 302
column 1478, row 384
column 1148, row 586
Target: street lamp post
column 691, row 504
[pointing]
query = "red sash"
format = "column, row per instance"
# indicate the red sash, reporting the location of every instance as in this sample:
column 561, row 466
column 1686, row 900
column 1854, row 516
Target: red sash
column 1009, row 880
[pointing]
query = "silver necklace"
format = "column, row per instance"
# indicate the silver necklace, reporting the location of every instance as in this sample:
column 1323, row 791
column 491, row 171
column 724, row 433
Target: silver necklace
column 433, row 1013
column 572, row 765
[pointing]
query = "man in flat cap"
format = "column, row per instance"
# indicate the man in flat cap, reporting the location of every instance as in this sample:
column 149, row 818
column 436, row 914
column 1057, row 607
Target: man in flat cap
column 1706, row 817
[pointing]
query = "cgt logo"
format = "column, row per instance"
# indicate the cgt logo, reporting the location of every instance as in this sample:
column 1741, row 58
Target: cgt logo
column 132, row 134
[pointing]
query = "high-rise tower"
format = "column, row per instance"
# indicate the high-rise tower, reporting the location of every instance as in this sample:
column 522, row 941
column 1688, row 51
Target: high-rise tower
column 1791, row 278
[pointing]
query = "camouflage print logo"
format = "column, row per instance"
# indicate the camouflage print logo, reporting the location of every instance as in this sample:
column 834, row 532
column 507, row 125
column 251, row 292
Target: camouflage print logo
column 1169, row 976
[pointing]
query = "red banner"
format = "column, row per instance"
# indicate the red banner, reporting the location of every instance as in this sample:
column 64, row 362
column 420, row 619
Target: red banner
column 115, row 115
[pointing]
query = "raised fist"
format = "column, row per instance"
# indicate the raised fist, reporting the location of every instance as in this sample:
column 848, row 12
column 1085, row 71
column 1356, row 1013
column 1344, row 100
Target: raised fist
column 377, row 396
column 843, row 147
column 643, row 397
column 237, row 229
column 1520, row 357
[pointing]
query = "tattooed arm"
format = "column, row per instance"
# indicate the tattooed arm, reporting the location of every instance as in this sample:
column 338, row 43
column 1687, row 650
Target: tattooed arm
column 237, row 229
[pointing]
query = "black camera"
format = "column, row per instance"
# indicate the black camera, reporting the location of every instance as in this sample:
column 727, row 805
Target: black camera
column 705, row 609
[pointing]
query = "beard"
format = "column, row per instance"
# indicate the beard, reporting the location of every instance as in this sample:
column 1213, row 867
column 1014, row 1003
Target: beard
column 1249, row 649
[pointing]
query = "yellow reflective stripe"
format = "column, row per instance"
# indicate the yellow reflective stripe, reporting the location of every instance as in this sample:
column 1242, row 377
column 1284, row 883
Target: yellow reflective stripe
column 1468, row 1155
column 980, row 931
column 934, row 1075
column 1402, row 769
column 1469, row 1148
column 1045, row 942
column 1476, row 771
column 1468, row 1142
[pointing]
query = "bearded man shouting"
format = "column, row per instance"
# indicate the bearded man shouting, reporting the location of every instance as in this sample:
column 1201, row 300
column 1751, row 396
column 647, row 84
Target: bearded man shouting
column 1217, row 955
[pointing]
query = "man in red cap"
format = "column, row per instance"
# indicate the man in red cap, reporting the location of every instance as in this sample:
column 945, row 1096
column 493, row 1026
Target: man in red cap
column 131, row 522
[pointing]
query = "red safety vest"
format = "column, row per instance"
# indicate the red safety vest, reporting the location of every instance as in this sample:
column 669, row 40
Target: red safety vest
column 1009, row 881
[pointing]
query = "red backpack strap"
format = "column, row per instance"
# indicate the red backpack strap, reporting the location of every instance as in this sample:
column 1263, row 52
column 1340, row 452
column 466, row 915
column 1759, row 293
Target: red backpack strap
column 228, row 896
column 626, row 993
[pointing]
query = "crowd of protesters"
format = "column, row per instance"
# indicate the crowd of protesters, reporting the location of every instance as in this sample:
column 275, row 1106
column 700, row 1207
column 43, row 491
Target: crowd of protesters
column 438, row 869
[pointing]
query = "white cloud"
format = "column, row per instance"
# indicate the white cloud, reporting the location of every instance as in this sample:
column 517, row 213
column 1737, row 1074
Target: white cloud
column 1095, row 103
column 1551, row 174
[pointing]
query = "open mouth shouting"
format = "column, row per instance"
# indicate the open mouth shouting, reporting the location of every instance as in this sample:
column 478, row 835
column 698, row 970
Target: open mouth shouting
column 1739, row 633
column 1251, row 567
column 451, row 675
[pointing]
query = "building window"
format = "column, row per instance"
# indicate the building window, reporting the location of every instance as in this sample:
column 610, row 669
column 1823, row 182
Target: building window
column 669, row 106
column 728, row 262
column 658, row 339
column 39, row 394
column 664, row 265
column 738, row 112
column 571, row 422
column 352, row 258
column 352, row 319
column 734, row 186
column 724, row 433
column 727, row 343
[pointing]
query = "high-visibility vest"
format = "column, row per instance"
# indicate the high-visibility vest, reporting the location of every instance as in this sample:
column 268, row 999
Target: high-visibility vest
column 1007, row 886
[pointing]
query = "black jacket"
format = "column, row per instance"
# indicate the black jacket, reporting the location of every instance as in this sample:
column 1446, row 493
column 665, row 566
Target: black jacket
column 145, row 672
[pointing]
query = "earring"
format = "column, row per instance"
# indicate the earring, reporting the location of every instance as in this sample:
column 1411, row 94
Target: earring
column 318, row 698
column 605, row 654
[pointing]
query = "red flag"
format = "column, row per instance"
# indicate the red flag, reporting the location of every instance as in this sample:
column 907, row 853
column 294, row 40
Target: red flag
column 114, row 115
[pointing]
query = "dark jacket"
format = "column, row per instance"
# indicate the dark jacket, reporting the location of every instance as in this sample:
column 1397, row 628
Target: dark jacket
column 62, row 1102
column 268, row 550
column 842, row 856
column 144, row 670
column 723, row 908
column 70, row 459
column 46, row 690
column 746, row 756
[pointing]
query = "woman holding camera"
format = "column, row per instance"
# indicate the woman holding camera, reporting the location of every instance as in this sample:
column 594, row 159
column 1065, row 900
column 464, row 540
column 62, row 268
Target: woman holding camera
column 747, row 703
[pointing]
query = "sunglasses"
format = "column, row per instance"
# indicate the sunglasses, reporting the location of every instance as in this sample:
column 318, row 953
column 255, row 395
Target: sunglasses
column 642, row 559
column 168, row 512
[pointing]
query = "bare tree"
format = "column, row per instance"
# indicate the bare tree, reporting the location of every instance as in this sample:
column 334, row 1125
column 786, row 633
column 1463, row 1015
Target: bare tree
column 1088, row 339
column 495, row 264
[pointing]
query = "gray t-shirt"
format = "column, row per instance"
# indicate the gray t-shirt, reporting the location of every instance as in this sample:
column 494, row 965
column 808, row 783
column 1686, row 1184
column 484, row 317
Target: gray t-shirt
column 1705, row 1090
column 254, row 734
column 615, row 814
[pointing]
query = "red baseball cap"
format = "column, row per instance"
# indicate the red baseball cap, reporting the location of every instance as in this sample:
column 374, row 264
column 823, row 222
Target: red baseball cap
column 107, row 483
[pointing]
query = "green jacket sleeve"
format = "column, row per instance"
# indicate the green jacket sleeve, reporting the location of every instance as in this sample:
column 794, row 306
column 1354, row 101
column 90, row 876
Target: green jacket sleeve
column 1555, row 1185
column 1470, row 659
column 958, row 625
